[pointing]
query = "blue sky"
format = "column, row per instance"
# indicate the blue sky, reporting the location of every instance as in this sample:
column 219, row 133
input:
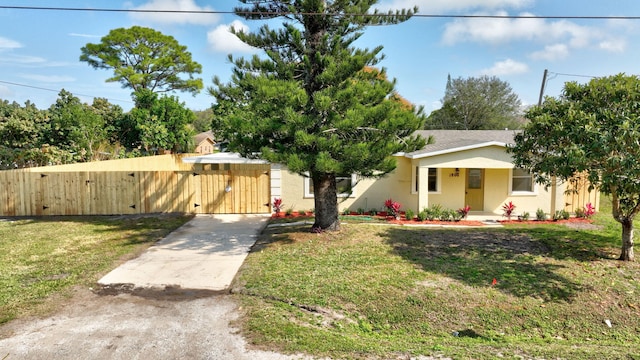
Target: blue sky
column 41, row 49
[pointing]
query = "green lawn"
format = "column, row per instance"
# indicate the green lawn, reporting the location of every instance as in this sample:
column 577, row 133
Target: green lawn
column 372, row 291
column 42, row 259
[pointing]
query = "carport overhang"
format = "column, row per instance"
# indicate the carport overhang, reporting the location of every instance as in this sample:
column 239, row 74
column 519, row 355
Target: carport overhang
column 222, row 158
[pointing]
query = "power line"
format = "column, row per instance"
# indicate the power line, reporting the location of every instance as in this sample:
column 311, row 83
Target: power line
column 57, row 91
column 208, row 12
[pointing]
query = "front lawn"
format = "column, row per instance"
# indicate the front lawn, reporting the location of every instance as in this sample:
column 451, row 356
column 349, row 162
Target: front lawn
column 374, row 291
column 42, row 259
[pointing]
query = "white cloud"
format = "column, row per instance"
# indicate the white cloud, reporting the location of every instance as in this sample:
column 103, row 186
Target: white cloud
column 496, row 31
column 176, row 18
column 613, row 45
column 48, row 78
column 84, row 35
column 506, row 67
column 551, row 52
column 222, row 40
column 441, row 6
column 22, row 59
column 8, row 44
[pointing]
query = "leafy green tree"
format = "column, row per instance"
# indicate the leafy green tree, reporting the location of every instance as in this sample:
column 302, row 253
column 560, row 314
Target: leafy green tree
column 592, row 128
column 143, row 58
column 315, row 103
column 75, row 127
column 159, row 123
column 481, row 103
column 203, row 120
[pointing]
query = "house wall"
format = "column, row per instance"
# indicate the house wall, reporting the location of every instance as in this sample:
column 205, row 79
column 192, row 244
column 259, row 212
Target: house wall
column 367, row 194
column 451, row 195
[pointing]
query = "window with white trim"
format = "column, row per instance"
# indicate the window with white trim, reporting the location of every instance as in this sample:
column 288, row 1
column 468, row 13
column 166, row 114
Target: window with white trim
column 522, row 181
column 344, row 186
column 433, row 180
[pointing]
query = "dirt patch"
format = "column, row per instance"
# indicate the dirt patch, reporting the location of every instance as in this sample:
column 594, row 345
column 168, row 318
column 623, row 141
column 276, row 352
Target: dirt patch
column 162, row 324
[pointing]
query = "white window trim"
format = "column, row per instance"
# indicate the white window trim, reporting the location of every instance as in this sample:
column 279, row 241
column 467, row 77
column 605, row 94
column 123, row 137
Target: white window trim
column 438, row 181
column 309, row 195
column 521, row 193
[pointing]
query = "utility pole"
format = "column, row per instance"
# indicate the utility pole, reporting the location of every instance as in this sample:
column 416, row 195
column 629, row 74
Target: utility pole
column 554, row 179
column 544, row 83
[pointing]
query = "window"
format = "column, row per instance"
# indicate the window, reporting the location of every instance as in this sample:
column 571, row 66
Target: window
column 433, row 184
column 432, row 180
column 344, row 186
column 522, row 181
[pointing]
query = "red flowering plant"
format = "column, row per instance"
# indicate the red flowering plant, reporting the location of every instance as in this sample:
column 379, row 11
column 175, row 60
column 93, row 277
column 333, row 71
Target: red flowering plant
column 393, row 208
column 464, row 211
column 589, row 210
column 277, row 205
column 508, row 209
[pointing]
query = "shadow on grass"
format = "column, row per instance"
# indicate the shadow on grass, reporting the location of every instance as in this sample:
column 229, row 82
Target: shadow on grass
column 521, row 264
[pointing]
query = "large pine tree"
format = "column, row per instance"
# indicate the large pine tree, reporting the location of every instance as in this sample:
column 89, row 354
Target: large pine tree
column 314, row 102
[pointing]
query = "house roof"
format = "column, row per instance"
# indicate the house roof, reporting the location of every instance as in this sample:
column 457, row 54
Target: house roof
column 222, row 158
column 207, row 135
column 448, row 141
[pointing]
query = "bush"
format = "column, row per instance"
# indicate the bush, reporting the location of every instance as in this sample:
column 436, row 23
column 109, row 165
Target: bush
column 360, row 211
column 346, row 211
column 289, row 212
column 580, row 213
column 373, row 212
column 422, row 215
column 525, row 216
column 561, row 215
column 433, row 212
column 541, row 215
column 445, row 215
column 408, row 214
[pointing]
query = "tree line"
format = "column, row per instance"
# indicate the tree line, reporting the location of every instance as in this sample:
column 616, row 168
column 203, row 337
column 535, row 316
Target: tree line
column 71, row 131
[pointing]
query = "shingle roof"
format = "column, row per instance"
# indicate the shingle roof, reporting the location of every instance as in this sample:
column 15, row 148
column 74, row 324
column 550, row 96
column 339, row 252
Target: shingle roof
column 451, row 140
column 204, row 135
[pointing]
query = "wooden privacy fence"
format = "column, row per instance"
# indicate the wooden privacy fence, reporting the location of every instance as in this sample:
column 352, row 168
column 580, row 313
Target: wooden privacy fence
column 578, row 194
column 240, row 191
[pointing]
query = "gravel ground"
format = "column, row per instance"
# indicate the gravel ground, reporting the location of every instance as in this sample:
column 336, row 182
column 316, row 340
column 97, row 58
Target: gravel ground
column 166, row 324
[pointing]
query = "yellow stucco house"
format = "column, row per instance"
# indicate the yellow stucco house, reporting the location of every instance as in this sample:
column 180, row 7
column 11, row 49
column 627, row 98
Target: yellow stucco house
column 460, row 168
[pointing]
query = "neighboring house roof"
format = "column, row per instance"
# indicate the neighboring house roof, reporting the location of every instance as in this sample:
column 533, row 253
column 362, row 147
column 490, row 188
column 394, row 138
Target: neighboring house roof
column 222, row 158
column 207, row 135
column 448, row 141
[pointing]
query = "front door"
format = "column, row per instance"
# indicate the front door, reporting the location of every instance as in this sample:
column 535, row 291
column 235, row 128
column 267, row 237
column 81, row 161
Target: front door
column 474, row 189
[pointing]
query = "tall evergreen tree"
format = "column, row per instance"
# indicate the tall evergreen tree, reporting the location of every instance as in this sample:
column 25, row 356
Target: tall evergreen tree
column 314, row 102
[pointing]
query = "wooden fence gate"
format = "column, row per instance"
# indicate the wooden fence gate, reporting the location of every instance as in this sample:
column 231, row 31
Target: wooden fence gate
column 239, row 191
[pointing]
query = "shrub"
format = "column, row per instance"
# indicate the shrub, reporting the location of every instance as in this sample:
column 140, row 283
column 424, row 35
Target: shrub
column 445, row 215
column 508, row 209
column 433, row 212
column 541, row 215
column 277, row 205
column 561, row 215
column 589, row 210
column 393, row 207
column 464, row 211
column 360, row 211
column 408, row 214
column 524, row 217
column 422, row 215
column 346, row 211
column 373, row 212
column 580, row 213
column 289, row 212
column 456, row 215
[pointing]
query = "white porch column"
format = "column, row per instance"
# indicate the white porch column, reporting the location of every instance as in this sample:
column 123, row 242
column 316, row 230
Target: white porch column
column 423, row 188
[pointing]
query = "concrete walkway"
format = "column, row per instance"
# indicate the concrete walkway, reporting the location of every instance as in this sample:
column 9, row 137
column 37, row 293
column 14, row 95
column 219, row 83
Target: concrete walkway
column 203, row 254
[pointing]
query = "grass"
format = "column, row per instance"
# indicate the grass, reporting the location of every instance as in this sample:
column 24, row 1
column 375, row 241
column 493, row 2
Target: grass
column 390, row 292
column 43, row 259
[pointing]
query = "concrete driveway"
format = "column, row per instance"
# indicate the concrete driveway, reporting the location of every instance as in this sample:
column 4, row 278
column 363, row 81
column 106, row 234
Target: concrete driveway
column 172, row 310
column 203, row 254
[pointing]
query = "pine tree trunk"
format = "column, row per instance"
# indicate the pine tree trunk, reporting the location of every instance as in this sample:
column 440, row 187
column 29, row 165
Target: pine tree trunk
column 326, row 202
column 627, row 240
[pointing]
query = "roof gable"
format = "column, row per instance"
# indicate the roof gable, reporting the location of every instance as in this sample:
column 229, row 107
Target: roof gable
column 450, row 141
